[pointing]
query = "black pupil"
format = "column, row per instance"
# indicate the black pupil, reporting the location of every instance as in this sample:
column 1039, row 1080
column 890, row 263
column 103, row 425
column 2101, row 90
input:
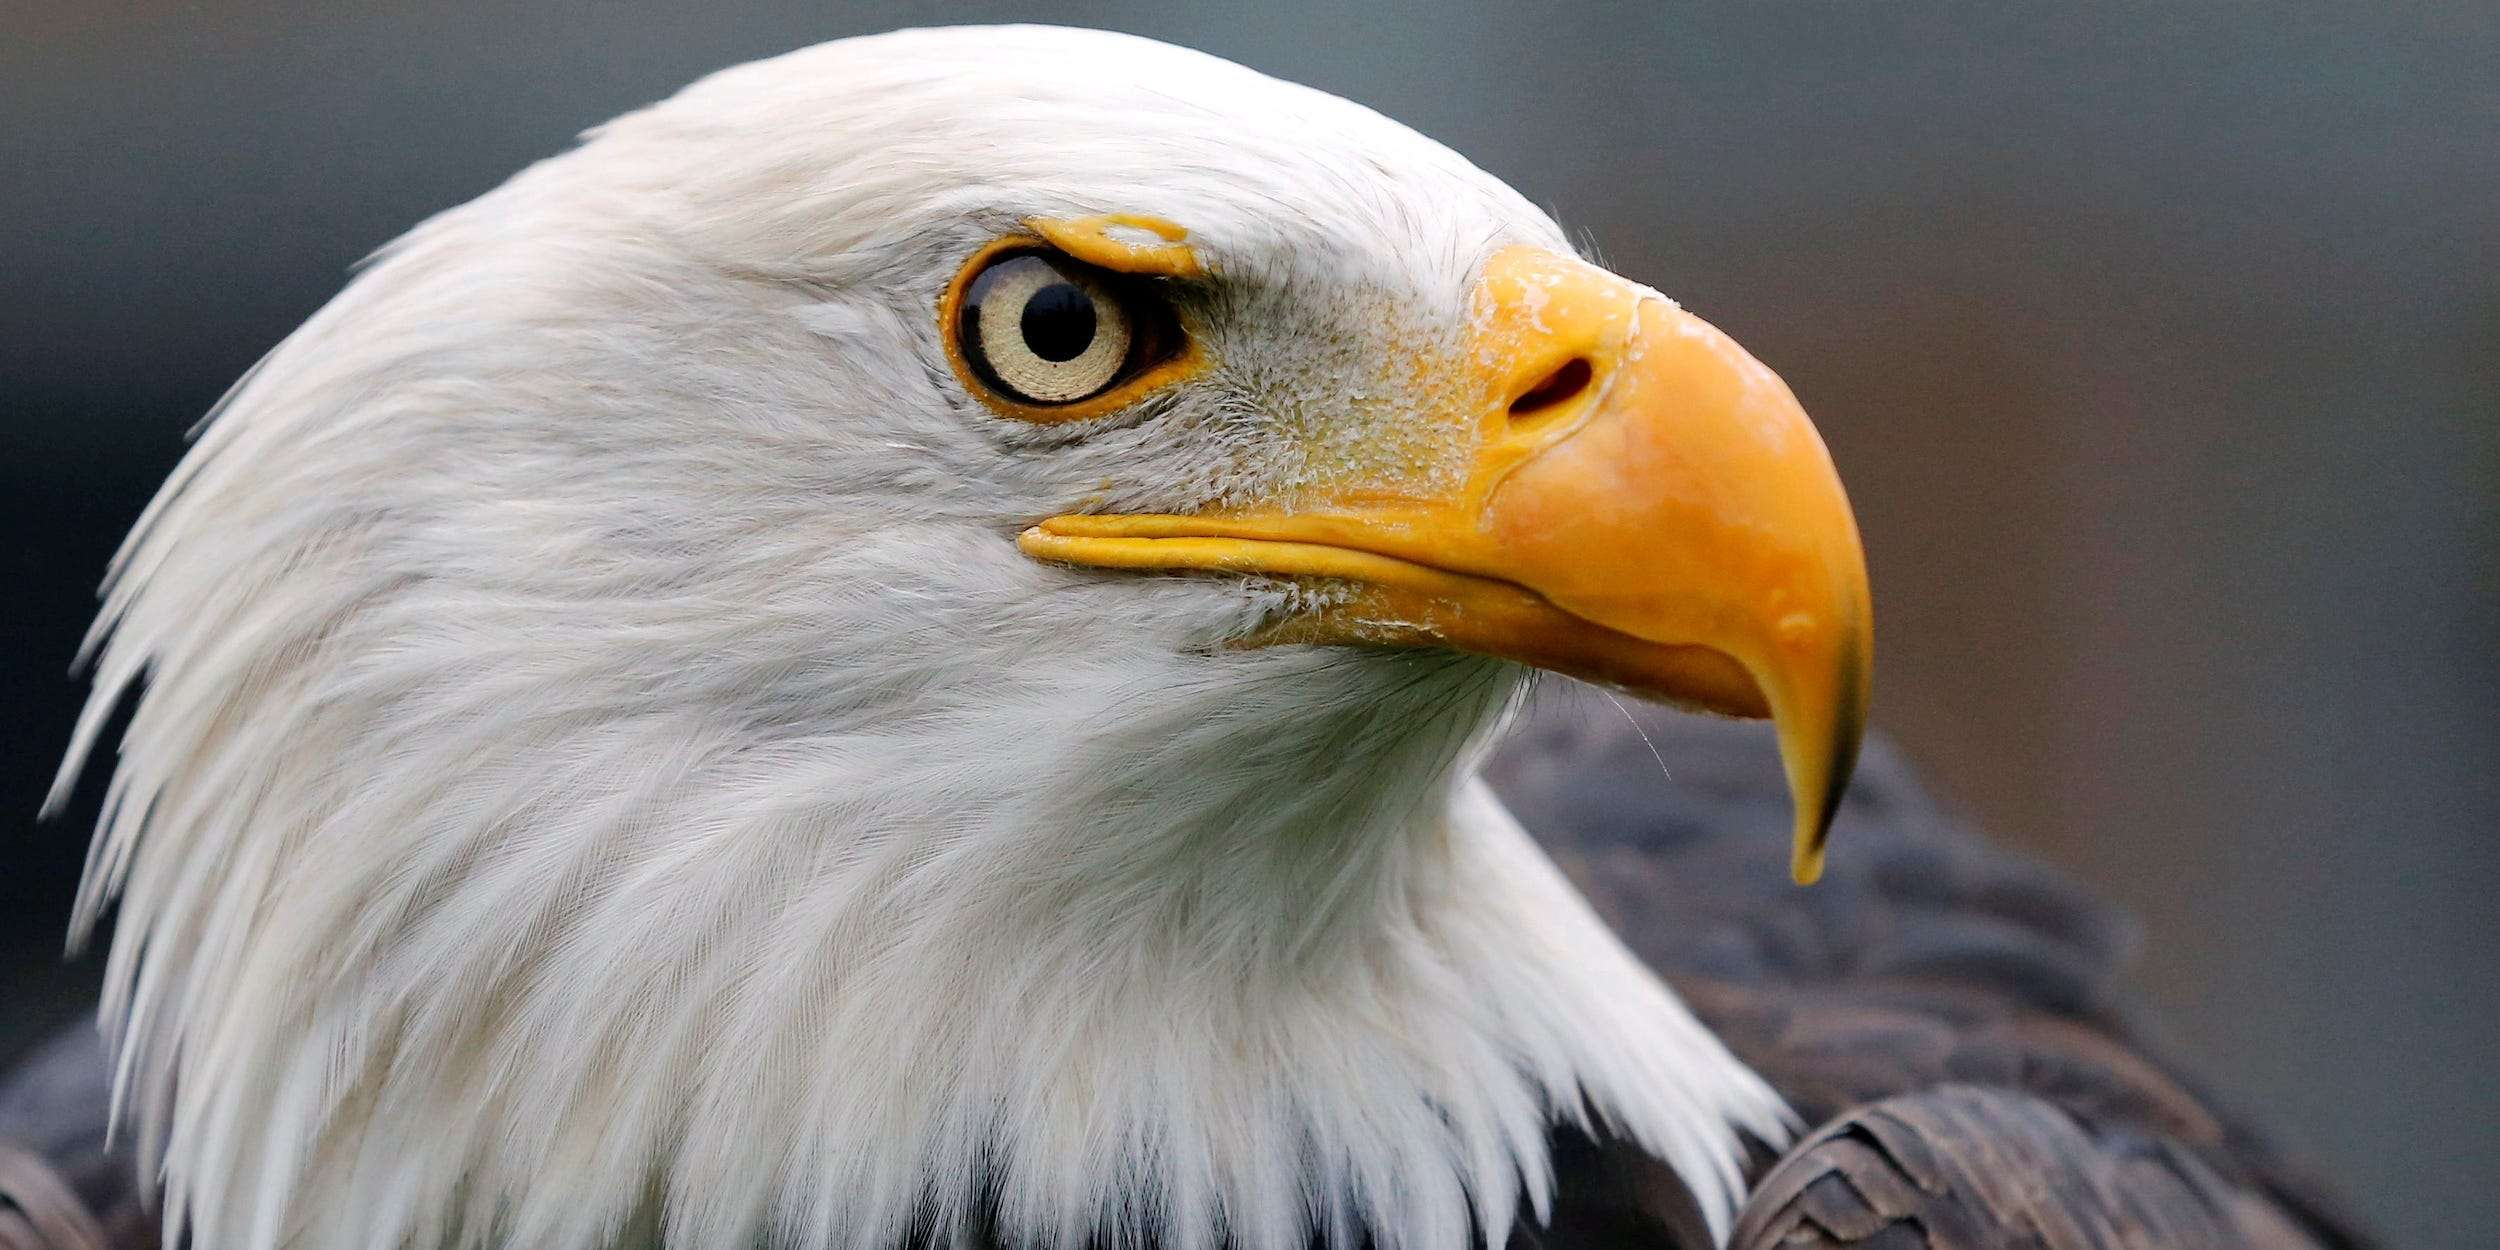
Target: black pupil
column 1058, row 322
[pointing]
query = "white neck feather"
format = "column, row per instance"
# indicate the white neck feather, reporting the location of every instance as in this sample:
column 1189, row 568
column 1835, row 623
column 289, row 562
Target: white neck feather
column 1069, row 952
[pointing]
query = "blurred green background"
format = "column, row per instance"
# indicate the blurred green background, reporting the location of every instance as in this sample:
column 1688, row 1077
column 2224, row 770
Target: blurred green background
column 2159, row 345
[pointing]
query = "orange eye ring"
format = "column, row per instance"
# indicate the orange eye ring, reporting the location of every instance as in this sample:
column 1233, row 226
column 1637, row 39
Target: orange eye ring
column 1161, row 353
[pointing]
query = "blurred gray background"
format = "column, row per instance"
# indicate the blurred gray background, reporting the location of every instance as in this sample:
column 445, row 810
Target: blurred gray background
column 2159, row 345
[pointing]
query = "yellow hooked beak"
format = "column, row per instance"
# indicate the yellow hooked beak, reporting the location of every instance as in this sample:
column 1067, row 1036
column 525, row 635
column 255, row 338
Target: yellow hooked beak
column 1647, row 506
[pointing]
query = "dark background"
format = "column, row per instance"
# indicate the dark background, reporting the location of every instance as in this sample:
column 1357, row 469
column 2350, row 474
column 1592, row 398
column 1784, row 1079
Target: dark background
column 2159, row 345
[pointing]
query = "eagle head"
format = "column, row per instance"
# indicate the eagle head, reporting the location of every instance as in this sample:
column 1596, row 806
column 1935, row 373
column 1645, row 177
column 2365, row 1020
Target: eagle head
column 893, row 647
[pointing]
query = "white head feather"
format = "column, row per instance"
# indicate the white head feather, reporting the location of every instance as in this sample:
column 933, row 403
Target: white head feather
column 606, row 775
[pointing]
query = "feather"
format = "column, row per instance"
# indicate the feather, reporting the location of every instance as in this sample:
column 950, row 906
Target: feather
column 599, row 767
column 1947, row 1014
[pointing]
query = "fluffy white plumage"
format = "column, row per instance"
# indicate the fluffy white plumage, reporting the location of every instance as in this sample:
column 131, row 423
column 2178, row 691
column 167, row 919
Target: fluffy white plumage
column 607, row 777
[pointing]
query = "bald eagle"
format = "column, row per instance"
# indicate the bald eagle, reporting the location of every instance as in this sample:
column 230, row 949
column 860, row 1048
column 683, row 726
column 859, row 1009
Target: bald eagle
column 900, row 650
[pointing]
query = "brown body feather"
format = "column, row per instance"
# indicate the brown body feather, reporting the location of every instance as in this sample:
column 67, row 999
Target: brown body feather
column 1946, row 1014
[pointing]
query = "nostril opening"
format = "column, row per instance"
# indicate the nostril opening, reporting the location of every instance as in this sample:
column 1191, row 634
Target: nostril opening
column 1567, row 380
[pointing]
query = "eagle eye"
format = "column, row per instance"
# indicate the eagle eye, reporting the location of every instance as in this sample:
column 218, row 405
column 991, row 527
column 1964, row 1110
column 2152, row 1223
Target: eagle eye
column 1045, row 335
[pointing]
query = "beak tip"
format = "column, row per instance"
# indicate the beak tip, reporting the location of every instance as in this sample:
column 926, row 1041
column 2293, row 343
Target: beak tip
column 1819, row 773
column 1806, row 866
column 1814, row 832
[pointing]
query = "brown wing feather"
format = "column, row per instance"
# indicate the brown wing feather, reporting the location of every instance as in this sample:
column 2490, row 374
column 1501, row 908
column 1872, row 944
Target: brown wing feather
column 1966, row 1167
column 62, row 1185
column 1947, row 1012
